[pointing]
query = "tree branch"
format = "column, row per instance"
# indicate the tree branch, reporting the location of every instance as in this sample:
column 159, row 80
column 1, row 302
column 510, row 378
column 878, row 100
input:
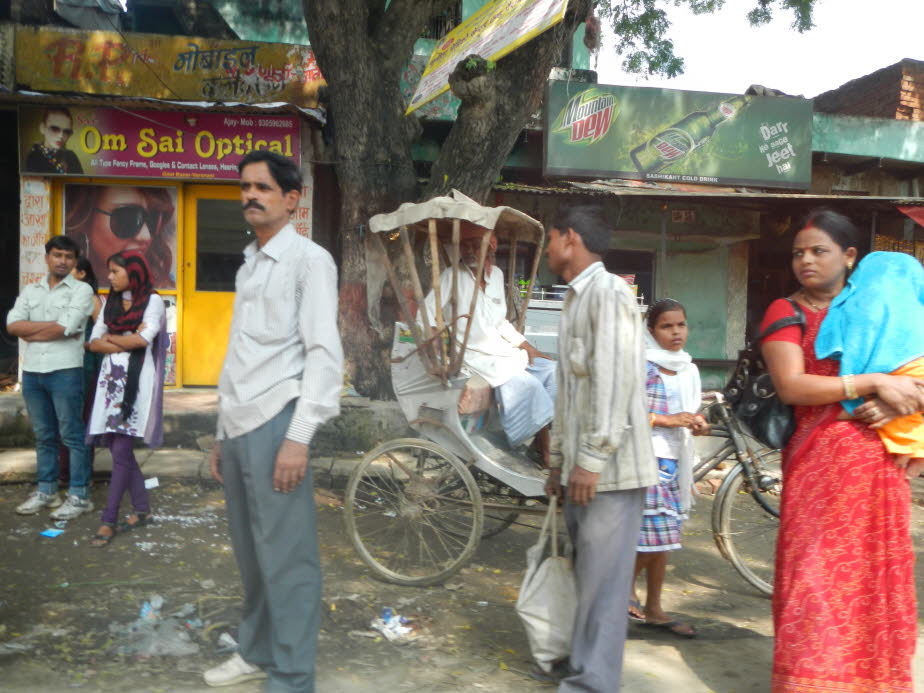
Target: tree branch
column 495, row 107
column 400, row 28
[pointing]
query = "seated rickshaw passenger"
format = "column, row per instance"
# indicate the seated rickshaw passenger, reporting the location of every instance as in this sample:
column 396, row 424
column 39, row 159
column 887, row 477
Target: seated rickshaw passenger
column 523, row 378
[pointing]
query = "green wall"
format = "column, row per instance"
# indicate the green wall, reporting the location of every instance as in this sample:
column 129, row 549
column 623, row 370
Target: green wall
column 872, row 137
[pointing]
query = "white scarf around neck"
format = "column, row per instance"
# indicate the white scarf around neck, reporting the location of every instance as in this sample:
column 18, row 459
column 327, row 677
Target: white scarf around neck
column 691, row 394
column 670, row 360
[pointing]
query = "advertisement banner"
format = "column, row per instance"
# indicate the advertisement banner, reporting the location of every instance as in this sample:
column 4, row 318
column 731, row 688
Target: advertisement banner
column 498, row 28
column 34, row 228
column 677, row 136
column 62, row 141
column 166, row 67
column 107, row 219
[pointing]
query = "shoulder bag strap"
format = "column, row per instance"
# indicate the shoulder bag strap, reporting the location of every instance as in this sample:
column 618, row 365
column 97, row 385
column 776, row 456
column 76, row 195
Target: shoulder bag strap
column 789, row 321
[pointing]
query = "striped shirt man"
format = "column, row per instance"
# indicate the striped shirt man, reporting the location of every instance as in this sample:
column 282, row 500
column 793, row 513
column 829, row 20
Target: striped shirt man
column 601, row 421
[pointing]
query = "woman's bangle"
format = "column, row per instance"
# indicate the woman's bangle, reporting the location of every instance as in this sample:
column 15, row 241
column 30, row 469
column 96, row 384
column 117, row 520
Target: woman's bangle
column 651, row 420
column 850, row 389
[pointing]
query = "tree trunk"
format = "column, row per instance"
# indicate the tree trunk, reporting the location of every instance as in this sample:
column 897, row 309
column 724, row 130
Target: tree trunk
column 496, row 104
column 361, row 54
column 362, row 46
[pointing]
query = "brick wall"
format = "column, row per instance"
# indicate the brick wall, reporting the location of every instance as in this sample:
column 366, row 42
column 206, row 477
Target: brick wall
column 911, row 99
column 896, row 91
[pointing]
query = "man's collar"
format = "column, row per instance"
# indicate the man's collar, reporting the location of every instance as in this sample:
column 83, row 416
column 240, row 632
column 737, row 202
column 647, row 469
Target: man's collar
column 580, row 281
column 471, row 273
column 276, row 246
column 70, row 280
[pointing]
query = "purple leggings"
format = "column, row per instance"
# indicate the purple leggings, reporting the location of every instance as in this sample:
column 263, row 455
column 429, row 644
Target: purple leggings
column 126, row 475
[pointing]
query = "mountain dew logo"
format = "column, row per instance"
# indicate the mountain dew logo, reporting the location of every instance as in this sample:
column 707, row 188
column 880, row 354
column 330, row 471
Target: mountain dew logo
column 588, row 116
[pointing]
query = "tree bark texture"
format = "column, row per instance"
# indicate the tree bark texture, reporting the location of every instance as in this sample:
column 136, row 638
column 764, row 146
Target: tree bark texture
column 496, row 104
column 362, row 46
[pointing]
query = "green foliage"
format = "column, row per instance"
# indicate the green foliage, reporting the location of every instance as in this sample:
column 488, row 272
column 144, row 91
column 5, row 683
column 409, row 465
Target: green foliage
column 641, row 28
column 802, row 9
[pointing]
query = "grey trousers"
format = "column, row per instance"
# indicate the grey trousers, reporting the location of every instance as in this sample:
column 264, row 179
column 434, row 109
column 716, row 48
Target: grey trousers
column 276, row 546
column 605, row 536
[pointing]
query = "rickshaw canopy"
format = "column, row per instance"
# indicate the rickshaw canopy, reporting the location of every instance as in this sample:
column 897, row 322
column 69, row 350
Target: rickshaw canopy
column 506, row 222
column 441, row 343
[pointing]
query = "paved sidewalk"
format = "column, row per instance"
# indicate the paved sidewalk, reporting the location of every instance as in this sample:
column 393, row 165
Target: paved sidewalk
column 190, row 418
column 17, row 465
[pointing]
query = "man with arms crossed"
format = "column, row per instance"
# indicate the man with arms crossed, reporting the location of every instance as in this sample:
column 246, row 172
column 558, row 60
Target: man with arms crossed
column 602, row 459
column 50, row 317
column 281, row 379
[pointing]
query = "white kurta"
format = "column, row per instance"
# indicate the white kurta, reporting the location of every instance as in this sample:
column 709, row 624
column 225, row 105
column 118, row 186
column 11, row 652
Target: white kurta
column 493, row 345
column 106, row 416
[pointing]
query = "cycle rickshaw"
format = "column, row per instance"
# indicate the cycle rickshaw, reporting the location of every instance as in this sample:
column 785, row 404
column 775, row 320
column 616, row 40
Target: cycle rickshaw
column 416, row 508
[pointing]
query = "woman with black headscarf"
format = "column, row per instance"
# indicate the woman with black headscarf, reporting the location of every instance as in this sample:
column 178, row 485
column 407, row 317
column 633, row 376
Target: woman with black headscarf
column 131, row 332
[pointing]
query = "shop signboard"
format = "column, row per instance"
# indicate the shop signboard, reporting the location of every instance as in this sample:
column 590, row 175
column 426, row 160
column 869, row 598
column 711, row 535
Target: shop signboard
column 34, row 227
column 166, row 67
column 58, row 141
column 677, row 136
column 443, row 107
column 498, row 28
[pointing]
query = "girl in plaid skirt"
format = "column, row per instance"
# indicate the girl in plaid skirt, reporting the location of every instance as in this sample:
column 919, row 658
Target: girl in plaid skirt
column 674, row 393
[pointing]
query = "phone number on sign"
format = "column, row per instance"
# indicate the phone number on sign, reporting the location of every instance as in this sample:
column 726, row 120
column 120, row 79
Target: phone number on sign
column 272, row 123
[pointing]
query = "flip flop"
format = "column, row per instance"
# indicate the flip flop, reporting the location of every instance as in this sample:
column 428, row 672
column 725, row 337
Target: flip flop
column 144, row 519
column 637, row 605
column 678, row 628
column 100, row 540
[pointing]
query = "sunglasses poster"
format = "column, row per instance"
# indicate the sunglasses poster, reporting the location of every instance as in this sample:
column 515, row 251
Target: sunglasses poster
column 64, row 141
column 107, row 219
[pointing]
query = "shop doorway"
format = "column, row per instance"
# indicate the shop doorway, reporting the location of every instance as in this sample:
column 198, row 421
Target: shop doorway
column 214, row 237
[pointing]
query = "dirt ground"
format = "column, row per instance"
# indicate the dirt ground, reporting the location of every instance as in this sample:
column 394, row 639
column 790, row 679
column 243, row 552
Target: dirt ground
column 64, row 608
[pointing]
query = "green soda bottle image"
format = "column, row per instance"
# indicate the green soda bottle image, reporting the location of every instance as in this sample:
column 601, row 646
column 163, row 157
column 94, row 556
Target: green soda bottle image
column 676, row 142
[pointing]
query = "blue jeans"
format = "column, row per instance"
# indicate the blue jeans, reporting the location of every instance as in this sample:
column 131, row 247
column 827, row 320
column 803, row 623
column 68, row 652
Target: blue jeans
column 55, row 404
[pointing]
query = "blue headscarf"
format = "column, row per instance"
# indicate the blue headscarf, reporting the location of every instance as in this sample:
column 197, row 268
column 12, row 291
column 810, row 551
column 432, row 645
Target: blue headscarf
column 876, row 324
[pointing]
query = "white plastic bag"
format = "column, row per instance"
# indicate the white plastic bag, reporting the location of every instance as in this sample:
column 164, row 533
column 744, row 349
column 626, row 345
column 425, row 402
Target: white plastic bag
column 548, row 597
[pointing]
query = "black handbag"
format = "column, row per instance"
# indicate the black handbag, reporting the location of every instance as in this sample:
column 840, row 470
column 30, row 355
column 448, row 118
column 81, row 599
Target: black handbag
column 751, row 394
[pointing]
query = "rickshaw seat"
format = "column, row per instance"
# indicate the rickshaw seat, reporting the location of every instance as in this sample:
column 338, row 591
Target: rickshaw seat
column 477, row 396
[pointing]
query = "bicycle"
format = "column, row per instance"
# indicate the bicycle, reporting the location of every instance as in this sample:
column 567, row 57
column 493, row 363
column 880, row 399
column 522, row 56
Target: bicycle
column 745, row 513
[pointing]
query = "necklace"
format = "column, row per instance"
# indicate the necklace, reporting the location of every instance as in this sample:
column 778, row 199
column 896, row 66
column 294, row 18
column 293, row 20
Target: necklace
column 813, row 305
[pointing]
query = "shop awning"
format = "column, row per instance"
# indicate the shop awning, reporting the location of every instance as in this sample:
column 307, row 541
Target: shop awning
column 138, row 102
column 737, row 197
column 915, row 213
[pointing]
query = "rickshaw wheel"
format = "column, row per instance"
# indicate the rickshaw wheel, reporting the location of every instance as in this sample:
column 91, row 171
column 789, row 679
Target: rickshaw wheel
column 413, row 511
column 494, row 492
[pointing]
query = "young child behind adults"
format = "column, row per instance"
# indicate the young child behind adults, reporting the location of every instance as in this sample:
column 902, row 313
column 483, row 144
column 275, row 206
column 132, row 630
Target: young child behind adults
column 876, row 325
column 674, row 393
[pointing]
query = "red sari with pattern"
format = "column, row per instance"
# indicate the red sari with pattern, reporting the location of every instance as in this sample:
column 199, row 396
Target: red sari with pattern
column 844, row 611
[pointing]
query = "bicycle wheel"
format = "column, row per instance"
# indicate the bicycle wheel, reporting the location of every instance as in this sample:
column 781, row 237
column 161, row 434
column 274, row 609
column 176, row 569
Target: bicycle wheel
column 744, row 527
column 413, row 512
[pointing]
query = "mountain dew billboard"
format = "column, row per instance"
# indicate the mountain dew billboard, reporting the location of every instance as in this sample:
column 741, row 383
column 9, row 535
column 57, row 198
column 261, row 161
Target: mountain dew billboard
column 677, row 136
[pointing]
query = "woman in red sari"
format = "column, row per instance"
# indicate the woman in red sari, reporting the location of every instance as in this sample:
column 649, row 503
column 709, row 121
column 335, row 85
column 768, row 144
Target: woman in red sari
column 844, row 609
